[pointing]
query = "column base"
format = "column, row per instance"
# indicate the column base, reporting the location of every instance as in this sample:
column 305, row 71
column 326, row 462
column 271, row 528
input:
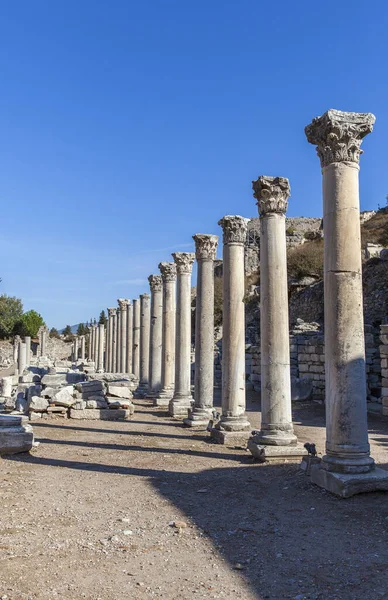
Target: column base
column 179, row 407
column 16, row 435
column 345, row 485
column 274, row 454
column 199, row 417
column 276, row 437
column 230, row 438
column 142, row 390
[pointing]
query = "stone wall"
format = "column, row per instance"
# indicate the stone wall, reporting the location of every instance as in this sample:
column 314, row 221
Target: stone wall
column 384, row 368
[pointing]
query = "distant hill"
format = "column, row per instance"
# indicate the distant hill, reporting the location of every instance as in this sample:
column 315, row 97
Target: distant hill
column 73, row 329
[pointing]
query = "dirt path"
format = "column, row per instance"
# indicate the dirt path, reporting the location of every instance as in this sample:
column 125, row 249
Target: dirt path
column 88, row 514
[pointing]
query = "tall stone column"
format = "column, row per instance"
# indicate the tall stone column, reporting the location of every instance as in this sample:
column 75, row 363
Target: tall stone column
column 123, row 304
column 168, row 271
column 91, row 342
column 95, row 345
column 205, row 249
column 109, row 340
column 114, row 340
column 27, row 341
column 155, row 372
column 136, row 339
column 22, row 358
column 347, row 468
column 16, row 343
column 83, row 344
column 43, row 341
column 128, row 367
column 118, row 334
column 145, row 321
column 276, row 439
column 182, row 400
column 233, row 426
column 76, row 349
column 101, row 344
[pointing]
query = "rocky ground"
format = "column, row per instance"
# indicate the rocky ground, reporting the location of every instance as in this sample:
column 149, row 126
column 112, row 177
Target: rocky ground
column 141, row 509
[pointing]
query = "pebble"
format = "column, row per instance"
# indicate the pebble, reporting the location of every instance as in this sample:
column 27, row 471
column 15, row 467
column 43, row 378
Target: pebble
column 178, row 524
column 127, row 532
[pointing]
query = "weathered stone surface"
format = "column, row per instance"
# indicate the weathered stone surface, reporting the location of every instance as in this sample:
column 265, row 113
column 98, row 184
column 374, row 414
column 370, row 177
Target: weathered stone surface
column 345, row 485
column 54, row 380
column 49, row 392
column 119, row 391
column 107, row 414
column 38, row 404
column 6, row 386
column 89, row 387
column 275, row 454
column 64, row 397
column 96, row 403
column 15, row 435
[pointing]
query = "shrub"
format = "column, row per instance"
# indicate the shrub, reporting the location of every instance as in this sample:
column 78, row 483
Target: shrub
column 306, row 260
column 218, row 295
column 290, row 231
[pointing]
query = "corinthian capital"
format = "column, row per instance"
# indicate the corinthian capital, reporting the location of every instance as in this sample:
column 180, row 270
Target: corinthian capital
column 205, row 246
column 156, row 283
column 272, row 194
column 112, row 312
column 168, row 271
column 338, row 135
column 123, row 303
column 234, row 228
column 184, row 261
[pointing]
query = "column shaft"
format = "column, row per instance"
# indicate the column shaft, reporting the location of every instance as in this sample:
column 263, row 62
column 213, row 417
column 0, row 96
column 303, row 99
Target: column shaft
column 145, row 317
column 83, row 347
column 155, row 372
column 27, row 340
column 101, row 343
column 168, row 271
column 114, row 342
column 136, row 339
column 128, row 367
column 118, row 344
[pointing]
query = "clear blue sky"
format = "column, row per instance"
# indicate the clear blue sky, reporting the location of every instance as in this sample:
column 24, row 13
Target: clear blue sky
column 127, row 126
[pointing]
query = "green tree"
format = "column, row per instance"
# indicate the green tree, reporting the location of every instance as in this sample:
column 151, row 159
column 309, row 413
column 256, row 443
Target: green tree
column 54, row 333
column 67, row 331
column 102, row 320
column 29, row 324
column 11, row 310
column 81, row 329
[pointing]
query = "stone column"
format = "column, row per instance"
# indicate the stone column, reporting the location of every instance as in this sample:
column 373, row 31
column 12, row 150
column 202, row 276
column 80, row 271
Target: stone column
column 128, row 367
column 123, row 303
column 155, row 372
column 182, row 400
column 16, row 342
column 168, row 271
column 109, row 341
column 347, row 468
column 206, row 249
column 22, row 358
column 43, row 341
column 75, row 349
column 145, row 319
column 276, row 439
column 95, row 344
column 118, row 336
column 101, row 343
column 114, row 340
column 91, row 342
column 83, row 347
column 27, row 340
column 136, row 339
column 233, row 427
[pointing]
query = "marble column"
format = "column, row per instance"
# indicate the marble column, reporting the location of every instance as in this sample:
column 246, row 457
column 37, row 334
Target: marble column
column 22, row 358
column 168, row 271
column 276, row 439
column 27, row 341
column 101, row 344
column 16, row 342
column 123, row 304
column 109, row 341
column 95, row 345
column 205, row 251
column 114, row 341
column 118, row 334
column 136, row 339
column 155, row 372
column 182, row 401
column 145, row 321
column 43, row 341
column 128, row 366
column 76, row 349
column 91, row 343
column 233, row 427
column 83, row 343
column 347, row 468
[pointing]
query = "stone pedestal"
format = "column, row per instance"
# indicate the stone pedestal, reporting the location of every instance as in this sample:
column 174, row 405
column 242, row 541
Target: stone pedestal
column 276, row 440
column 123, row 303
column 168, row 271
column 27, row 341
column 145, row 319
column 15, row 435
column 128, row 366
column 136, row 339
column 182, row 400
column 22, row 363
column 200, row 415
column 155, row 371
column 101, row 344
column 233, row 426
column 347, row 467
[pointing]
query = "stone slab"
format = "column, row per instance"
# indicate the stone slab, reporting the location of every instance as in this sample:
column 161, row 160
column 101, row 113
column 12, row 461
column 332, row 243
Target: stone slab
column 119, row 391
column 103, row 414
column 230, row 438
column 346, row 485
column 275, row 454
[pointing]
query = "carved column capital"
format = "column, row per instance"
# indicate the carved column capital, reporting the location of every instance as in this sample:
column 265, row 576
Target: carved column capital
column 205, row 246
column 156, row 283
column 338, row 135
column 145, row 296
column 168, row 271
column 112, row 312
column 272, row 194
column 123, row 303
column 234, row 228
column 184, row 262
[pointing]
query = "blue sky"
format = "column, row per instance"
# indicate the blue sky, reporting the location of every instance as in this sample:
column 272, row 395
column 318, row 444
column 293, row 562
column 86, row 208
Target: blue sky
column 126, row 127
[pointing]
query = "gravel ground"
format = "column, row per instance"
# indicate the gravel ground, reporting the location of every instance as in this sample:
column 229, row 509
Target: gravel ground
column 122, row 511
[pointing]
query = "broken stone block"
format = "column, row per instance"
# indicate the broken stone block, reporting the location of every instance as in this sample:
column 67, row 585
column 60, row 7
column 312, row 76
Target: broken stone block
column 34, row 416
column 33, row 390
column 91, row 403
column 102, row 414
column 119, row 391
column 74, row 377
column 30, row 377
column 15, row 435
column 6, row 386
column 49, row 392
column 79, row 405
column 54, row 380
column 38, row 404
column 64, row 397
